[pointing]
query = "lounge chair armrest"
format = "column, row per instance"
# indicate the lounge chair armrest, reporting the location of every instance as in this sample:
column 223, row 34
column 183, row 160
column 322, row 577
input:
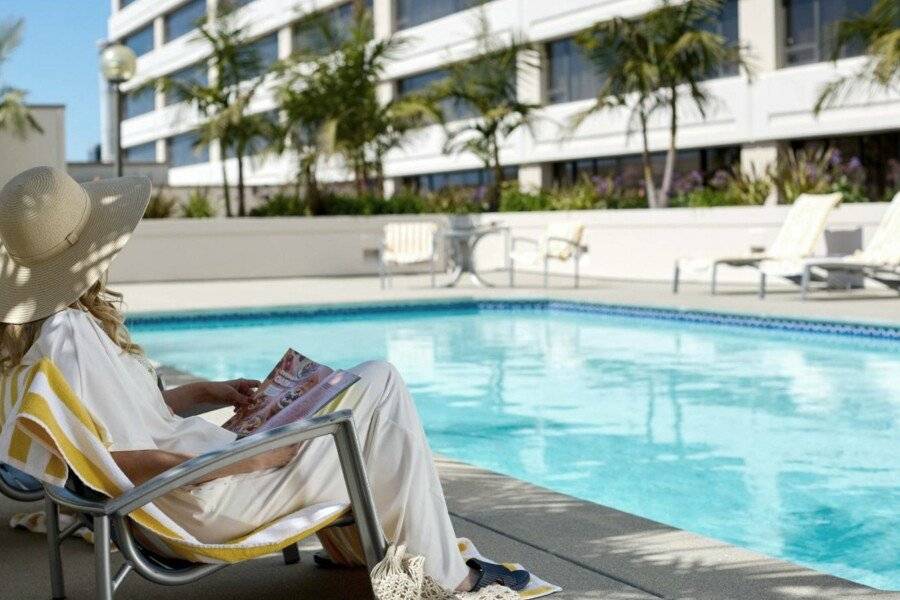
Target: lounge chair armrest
column 248, row 447
column 569, row 242
column 64, row 497
column 517, row 239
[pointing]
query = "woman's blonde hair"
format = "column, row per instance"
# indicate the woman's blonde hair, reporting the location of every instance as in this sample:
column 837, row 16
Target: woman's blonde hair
column 101, row 302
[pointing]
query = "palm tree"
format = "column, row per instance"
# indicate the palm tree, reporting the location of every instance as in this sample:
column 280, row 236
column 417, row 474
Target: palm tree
column 652, row 63
column 304, row 107
column 328, row 94
column 625, row 56
column 224, row 100
column 485, row 86
column 879, row 30
column 14, row 114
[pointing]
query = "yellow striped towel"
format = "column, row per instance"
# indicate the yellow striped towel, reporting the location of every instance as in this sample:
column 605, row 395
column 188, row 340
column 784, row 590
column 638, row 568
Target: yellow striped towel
column 45, row 431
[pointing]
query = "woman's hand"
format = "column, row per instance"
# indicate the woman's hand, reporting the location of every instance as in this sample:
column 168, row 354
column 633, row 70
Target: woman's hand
column 237, row 392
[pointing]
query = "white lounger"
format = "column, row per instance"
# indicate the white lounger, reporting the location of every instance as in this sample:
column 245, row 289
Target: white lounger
column 796, row 241
column 879, row 260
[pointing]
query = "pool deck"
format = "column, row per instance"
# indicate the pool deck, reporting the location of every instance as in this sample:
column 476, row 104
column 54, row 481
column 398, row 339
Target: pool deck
column 593, row 551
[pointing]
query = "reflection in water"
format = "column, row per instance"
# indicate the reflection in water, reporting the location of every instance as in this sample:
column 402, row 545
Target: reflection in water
column 784, row 443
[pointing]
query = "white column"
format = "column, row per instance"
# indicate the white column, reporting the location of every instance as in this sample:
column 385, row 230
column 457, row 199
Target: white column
column 159, row 32
column 285, row 42
column 385, row 93
column 383, row 18
column 533, row 177
column 758, row 157
column 761, row 26
column 530, row 88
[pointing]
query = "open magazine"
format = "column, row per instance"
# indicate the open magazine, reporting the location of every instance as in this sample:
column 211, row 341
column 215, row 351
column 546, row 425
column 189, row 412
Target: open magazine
column 296, row 388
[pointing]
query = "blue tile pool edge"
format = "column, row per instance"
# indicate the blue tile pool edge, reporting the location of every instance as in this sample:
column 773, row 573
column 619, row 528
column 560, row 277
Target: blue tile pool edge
column 754, row 321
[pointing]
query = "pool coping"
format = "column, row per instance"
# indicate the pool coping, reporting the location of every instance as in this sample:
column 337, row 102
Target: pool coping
column 845, row 327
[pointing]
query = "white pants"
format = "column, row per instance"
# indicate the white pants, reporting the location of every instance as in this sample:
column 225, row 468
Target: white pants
column 406, row 489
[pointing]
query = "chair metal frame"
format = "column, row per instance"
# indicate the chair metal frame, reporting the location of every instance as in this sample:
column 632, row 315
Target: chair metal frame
column 578, row 250
column 110, row 516
column 885, row 275
column 14, row 492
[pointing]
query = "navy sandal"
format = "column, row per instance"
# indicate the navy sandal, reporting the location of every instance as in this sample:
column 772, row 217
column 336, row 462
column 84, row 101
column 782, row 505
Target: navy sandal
column 489, row 573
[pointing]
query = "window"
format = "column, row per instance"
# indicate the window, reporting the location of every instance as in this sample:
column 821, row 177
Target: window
column 183, row 150
column 124, row 3
column 138, row 102
column 571, row 76
column 811, row 25
column 877, row 155
column 140, row 153
column 182, row 20
column 415, row 12
column 262, row 52
column 726, row 25
column 627, row 171
column 195, row 74
column 308, row 35
column 141, row 41
column 453, row 109
column 471, row 178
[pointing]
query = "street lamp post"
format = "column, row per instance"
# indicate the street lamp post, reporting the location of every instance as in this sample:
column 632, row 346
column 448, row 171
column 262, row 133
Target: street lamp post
column 118, row 64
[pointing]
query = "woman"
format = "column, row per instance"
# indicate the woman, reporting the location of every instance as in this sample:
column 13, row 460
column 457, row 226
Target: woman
column 58, row 239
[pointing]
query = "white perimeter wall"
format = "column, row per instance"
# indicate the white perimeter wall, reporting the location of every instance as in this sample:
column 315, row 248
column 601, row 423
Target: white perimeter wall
column 631, row 244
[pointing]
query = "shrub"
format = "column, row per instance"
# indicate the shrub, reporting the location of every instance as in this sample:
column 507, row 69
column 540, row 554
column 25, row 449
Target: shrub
column 280, row 205
column 743, row 188
column 581, row 196
column 513, row 199
column 724, row 188
column 818, row 171
column 160, row 206
column 701, row 197
column 457, row 200
column 198, row 205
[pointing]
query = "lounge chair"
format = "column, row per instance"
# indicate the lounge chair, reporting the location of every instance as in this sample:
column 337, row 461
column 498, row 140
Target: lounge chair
column 73, row 481
column 560, row 241
column 796, row 240
column 879, row 260
column 16, row 485
column 406, row 244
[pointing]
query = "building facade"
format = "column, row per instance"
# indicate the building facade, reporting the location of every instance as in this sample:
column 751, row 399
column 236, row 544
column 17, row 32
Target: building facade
column 752, row 117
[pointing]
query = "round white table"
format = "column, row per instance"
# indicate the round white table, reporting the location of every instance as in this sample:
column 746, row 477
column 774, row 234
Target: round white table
column 463, row 241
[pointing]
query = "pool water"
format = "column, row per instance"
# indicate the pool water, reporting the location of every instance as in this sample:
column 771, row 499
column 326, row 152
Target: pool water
column 782, row 442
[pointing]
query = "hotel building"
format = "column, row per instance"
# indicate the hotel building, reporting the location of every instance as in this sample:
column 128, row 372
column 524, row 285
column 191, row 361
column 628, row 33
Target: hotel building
column 752, row 118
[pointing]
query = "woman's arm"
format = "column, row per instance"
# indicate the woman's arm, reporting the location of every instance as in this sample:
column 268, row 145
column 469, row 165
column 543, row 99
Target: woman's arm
column 236, row 392
column 142, row 465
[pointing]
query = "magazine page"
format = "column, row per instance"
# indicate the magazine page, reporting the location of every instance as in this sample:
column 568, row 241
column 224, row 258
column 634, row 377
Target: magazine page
column 293, row 377
column 313, row 401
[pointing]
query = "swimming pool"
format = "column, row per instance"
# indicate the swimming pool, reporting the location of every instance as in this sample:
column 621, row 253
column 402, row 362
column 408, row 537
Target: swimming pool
column 761, row 433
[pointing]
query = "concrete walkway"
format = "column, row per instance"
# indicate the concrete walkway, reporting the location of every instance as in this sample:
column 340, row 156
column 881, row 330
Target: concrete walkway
column 593, row 551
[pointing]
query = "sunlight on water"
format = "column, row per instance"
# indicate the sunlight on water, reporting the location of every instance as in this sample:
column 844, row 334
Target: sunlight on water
column 785, row 443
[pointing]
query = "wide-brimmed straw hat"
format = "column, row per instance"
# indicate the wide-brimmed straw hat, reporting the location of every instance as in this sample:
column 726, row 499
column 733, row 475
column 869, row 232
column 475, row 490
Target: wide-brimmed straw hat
column 57, row 238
